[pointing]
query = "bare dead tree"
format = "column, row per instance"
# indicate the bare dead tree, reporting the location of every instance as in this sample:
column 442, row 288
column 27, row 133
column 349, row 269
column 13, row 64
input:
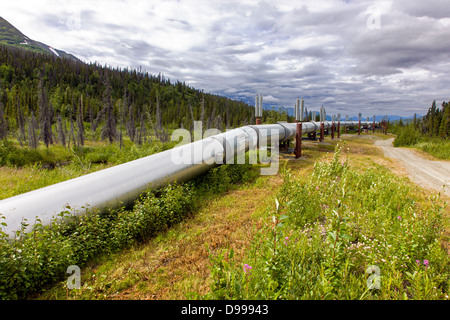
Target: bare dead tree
column 227, row 114
column 32, row 136
column 80, row 124
column 45, row 115
column 122, row 119
column 21, row 123
column 3, row 123
column 192, row 117
column 61, row 130
column 158, row 113
column 202, row 109
column 71, row 135
column 109, row 128
column 142, row 130
column 131, row 123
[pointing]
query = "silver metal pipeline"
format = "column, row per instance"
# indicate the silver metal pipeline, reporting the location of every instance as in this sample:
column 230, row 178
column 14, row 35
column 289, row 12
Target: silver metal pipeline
column 122, row 184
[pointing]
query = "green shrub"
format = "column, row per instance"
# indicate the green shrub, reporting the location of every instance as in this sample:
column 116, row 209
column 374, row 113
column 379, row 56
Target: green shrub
column 11, row 155
column 407, row 136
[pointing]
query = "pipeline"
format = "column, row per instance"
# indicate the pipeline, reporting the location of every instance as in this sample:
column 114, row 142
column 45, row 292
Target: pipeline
column 122, row 184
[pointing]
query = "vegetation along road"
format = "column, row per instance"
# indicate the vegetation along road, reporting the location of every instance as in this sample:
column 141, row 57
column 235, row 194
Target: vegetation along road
column 427, row 173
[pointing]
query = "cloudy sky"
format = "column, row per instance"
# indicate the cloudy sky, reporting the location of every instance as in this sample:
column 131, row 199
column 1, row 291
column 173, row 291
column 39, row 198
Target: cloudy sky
column 375, row 57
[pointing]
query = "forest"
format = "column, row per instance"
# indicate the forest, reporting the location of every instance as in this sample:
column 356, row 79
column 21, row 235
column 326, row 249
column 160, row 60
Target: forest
column 61, row 101
column 430, row 133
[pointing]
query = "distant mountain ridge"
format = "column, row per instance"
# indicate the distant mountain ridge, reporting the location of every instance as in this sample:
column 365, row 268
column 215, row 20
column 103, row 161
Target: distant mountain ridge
column 290, row 112
column 11, row 36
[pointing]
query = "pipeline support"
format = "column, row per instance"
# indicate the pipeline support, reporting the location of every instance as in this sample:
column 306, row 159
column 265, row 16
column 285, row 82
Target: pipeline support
column 298, row 140
column 120, row 185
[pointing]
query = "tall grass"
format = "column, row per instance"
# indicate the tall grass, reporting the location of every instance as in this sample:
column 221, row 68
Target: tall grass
column 435, row 146
column 23, row 169
column 341, row 234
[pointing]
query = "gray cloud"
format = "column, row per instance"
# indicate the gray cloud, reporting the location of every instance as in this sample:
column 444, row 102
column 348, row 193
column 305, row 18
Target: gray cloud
column 325, row 51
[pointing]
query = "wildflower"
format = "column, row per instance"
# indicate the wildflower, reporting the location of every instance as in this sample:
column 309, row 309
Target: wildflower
column 425, row 262
column 247, row 268
column 317, row 188
column 399, row 218
column 418, row 262
column 286, row 240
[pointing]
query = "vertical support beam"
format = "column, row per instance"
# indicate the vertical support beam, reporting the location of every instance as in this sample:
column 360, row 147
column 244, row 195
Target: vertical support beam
column 359, row 124
column 298, row 141
column 339, row 129
column 322, row 132
column 258, row 109
column 373, row 126
column 302, row 110
column 332, row 128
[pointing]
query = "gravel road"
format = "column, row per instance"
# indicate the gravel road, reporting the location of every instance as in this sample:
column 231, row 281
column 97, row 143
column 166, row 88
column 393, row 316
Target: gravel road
column 426, row 173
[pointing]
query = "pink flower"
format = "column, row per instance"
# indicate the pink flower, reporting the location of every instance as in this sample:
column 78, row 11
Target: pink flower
column 399, row 218
column 247, row 268
column 317, row 188
column 425, row 262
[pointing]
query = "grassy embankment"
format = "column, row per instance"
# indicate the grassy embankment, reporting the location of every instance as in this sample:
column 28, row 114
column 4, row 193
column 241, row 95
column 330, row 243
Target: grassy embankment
column 335, row 219
column 329, row 245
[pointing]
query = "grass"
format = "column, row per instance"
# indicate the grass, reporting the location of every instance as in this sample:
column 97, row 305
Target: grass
column 436, row 147
column 231, row 229
column 329, row 231
column 23, row 169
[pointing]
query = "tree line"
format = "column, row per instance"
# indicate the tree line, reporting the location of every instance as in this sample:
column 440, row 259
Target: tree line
column 435, row 124
column 53, row 100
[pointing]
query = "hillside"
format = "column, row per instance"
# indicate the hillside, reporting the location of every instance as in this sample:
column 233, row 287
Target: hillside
column 40, row 86
column 11, row 36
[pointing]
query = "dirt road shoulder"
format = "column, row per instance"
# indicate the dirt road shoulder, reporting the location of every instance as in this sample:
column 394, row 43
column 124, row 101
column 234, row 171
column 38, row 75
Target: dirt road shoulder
column 429, row 174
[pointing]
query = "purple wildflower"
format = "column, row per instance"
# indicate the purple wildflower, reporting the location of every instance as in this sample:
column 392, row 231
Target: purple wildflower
column 247, row 268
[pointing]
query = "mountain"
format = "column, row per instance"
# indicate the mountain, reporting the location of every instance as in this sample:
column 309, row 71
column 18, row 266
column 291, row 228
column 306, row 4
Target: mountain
column 290, row 112
column 11, row 36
